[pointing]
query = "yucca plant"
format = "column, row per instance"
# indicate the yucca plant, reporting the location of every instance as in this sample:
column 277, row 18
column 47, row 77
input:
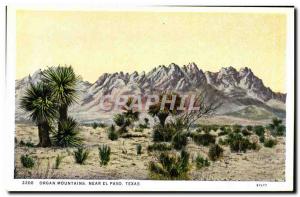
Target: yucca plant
column 112, row 133
column 179, row 140
column 27, row 161
column 138, row 149
column 170, row 166
column 81, row 155
column 68, row 135
column 276, row 127
column 38, row 101
column 62, row 81
column 104, row 154
column 58, row 161
column 201, row 162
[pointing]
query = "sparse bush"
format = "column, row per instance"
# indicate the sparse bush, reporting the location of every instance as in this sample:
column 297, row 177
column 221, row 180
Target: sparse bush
column 222, row 142
column 215, row 152
column 104, row 154
column 204, row 139
column 270, row 143
column 201, row 162
column 81, row 155
column 27, row 161
column 259, row 130
column 58, row 161
column 138, row 149
column 170, row 166
column 102, row 125
column 179, row 140
column 68, row 135
column 159, row 147
column 112, row 133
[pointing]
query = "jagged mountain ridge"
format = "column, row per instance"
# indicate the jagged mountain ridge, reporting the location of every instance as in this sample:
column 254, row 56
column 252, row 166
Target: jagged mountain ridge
column 236, row 89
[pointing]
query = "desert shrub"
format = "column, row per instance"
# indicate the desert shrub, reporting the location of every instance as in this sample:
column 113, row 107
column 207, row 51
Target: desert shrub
column 259, row 130
column 262, row 139
column 159, row 147
column 238, row 143
column 22, row 143
column 279, row 131
column 28, row 144
column 270, row 143
column 249, row 127
column 138, row 149
column 215, row 152
column 246, row 132
column 58, row 161
column 170, row 166
column 276, row 127
column 222, row 142
column 223, row 132
column 204, row 139
column 112, row 133
column 94, row 125
column 179, row 140
column 81, row 155
column 201, row 162
column 102, row 125
column 104, row 154
column 27, row 161
column 68, row 135
column 163, row 133
column 237, row 128
column 122, row 121
column 132, row 135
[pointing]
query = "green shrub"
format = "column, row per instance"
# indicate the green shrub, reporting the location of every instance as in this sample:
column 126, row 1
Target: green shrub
column 215, row 152
column 238, row 143
column 201, row 162
column 179, row 140
column 159, row 147
column 102, row 125
column 280, row 131
column 81, row 155
column 27, row 161
column 138, row 149
column 262, row 139
column 270, row 143
column 163, row 133
column 58, row 161
column 259, row 130
column 246, row 132
column 104, row 154
column 204, row 139
column 170, row 166
column 68, row 135
column 237, row 128
column 225, row 132
column 94, row 125
column 222, row 142
column 249, row 127
column 112, row 133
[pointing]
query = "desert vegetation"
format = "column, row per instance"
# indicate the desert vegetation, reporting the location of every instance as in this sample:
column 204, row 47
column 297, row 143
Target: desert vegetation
column 177, row 145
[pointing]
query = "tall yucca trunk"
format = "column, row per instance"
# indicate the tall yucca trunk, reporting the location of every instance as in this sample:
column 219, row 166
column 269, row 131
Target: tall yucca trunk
column 44, row 131
column 63, row 115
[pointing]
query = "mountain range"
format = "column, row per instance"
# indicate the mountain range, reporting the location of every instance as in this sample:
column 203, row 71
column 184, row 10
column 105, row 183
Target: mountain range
column 237, row 90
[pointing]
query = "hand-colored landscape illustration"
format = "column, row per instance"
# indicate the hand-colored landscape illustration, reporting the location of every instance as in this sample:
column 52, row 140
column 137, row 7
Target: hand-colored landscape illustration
column 172, row 121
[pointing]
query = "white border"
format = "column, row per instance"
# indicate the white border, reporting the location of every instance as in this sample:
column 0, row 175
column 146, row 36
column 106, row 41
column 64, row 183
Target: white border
column 16, row 184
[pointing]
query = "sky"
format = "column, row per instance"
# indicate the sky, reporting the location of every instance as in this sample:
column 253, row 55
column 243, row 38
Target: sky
column 97, row 42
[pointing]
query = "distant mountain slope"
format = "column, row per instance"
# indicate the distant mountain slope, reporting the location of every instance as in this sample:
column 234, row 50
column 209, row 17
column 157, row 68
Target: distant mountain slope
column 235, row 89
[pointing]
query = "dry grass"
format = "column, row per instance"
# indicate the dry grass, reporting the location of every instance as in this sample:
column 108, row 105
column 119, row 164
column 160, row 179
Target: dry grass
column 267, row 164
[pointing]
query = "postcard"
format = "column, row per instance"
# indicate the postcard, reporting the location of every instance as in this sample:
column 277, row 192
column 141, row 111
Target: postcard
column 150, row 99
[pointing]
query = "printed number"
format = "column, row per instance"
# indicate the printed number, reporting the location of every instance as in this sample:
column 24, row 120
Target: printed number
column 261, row 185
column 27, row 182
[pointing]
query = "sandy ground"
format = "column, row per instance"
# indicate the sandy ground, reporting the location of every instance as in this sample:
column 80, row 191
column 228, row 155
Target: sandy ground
column 266, row 164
